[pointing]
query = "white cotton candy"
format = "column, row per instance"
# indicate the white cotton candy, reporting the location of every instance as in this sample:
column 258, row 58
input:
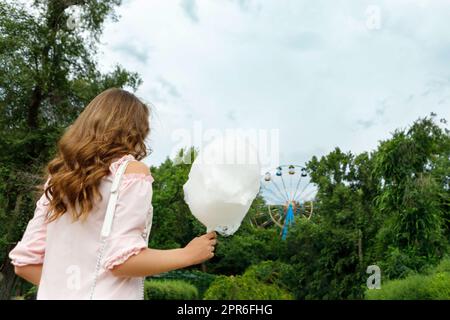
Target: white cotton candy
column 223, row 182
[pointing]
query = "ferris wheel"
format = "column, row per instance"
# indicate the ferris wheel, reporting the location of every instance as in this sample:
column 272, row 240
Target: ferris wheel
column 288, row 192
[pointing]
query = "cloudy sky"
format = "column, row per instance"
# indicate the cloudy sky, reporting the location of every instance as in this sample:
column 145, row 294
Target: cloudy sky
column 324, row 73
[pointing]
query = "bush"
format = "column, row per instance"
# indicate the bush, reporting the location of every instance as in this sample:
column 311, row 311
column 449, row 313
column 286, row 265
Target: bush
column 273, row 272
column 443, row 266
column 244, row 288
column 247, row 247
column 439, row 286
column 399, row 263
column 169, row 290
column 201, row 280
column 31, row 293
column 411, row 288
column 432, row 286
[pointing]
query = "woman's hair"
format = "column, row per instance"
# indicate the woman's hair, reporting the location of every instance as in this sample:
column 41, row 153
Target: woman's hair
column 115, row 123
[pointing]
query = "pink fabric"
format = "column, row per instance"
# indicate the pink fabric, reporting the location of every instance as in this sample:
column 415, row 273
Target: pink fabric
column 68, row 250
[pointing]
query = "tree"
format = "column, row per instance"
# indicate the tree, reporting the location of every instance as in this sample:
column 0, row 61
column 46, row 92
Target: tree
column 332, row 250
column 414, row 165
column 48, row 73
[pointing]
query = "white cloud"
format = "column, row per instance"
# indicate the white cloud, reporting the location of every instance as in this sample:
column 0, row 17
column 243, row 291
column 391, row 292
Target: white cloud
column 310, row 68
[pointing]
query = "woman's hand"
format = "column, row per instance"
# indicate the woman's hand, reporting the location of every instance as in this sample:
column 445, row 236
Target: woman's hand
column 201, row 248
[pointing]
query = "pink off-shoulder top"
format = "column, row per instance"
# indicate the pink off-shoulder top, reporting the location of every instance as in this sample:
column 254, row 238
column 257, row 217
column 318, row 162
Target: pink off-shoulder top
column 68, row 250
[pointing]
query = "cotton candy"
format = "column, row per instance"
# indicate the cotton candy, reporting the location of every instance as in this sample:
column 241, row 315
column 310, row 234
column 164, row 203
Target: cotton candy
column 223, row 182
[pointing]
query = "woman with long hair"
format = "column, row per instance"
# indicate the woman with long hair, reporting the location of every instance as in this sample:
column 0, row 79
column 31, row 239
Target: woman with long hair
column 88, row 238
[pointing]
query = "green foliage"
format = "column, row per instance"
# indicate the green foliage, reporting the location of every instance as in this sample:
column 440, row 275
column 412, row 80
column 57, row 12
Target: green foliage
column 31, row 294
column 169, row 290
column 48, row 71
column 274, row 272
column 412, row 287
column 443, row 266
column 244, row 288
column 325, row 262
column 248, row 246
column 389, row 208
column 415, row 194
column 399, row 263
column 434, row 285
column 330, row 252
column 201, row 280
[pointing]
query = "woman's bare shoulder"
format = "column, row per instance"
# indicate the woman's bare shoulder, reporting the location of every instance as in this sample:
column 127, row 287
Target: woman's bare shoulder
column 137, row 167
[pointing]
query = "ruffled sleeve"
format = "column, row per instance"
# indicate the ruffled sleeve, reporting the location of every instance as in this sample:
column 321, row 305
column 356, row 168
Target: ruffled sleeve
column 31, row 249
column 131, row 219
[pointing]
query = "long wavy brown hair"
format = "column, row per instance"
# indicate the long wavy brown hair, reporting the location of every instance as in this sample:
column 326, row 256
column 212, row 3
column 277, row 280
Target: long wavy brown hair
column 114, row 124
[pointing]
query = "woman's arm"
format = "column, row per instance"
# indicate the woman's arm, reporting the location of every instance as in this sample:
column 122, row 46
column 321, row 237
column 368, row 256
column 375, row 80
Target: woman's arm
column 31, row 273
column 147, row 262
column 151, row 261
column 28, row 255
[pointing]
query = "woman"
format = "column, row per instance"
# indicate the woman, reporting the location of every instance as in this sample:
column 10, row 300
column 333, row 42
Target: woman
column 65, row 249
